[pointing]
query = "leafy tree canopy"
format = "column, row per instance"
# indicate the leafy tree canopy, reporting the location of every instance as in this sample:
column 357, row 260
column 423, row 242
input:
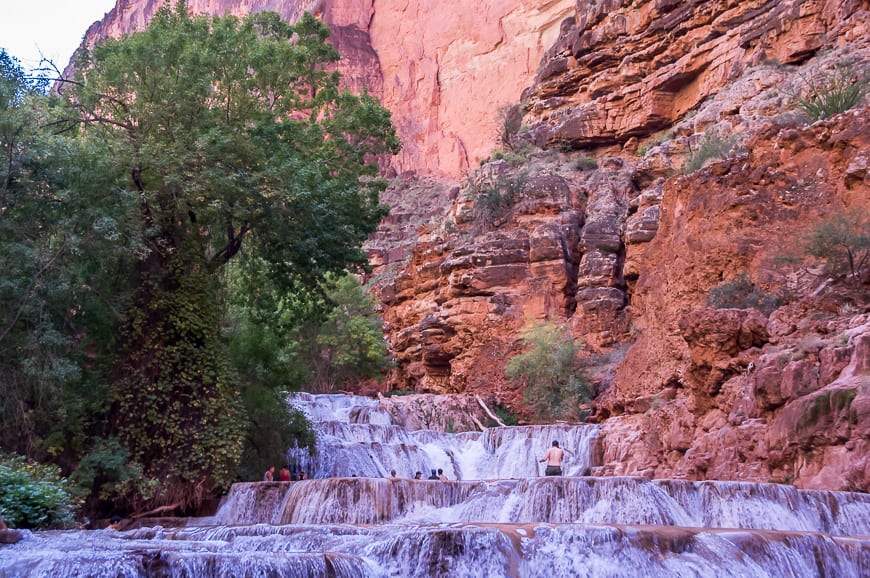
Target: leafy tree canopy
column 232, row 137
column 239, row 128
column 58, row 240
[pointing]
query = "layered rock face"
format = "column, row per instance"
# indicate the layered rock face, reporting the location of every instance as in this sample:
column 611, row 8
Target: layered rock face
column 735, row 393
column 629, row 256
column 477, row 277
column 624, row 68
column 443, row 69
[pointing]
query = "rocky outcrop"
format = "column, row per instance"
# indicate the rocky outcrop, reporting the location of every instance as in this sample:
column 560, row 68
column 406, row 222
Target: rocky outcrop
column 443, row 72
column 9, row 536
column 702, row 393
column 474, row 279
column 448, row 413
column 795, row 415
column 626, row 68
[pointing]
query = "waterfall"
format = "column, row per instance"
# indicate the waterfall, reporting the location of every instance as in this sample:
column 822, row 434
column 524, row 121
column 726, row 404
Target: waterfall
column 554, row 500
column 462, row 550
column 496, row 517
column 355, row 437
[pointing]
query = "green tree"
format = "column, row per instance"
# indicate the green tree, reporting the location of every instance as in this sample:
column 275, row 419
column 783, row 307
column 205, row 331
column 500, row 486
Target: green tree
column 311, row 340
column 555, row 384
column 349, row 344
column 62, row 273
column 275, row 428
column 231, row 133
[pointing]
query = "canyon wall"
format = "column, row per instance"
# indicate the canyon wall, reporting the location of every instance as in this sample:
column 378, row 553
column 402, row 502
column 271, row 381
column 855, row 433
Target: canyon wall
column 606, row 234
column 444, row 69
column 627, row 68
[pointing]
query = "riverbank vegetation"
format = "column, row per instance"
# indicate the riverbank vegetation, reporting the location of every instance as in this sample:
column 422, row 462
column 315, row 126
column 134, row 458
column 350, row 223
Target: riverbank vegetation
column 555, row 385
column 174, row 219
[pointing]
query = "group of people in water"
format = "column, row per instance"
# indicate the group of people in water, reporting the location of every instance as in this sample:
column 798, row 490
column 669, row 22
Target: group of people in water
column 285, row 475
column 553, row 458
column 433, row 475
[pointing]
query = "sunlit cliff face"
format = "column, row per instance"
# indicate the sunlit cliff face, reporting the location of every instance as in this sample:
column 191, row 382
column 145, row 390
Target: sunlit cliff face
column 443, row 72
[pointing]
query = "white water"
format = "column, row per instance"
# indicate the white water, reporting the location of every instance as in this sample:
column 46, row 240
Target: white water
column 461, row 550
column 500, row 520
column 554, row 500
column 357, row 438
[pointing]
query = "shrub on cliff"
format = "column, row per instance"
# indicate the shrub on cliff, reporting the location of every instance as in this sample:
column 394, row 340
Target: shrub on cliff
column 495, row 191
column 842, row 244
column 741, row 293
column 713, row 146
column 555, row 384
column 509, row 120
column 33, row 495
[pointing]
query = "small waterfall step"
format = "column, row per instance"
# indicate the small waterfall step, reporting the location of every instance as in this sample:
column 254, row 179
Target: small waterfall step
column 460, row 550
column 552, row 500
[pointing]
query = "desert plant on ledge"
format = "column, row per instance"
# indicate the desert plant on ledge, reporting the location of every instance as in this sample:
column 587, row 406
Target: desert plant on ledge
column 833, row 93
column 714, row 146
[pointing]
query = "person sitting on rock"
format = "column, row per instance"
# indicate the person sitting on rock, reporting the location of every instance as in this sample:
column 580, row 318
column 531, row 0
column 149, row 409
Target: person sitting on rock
column 553, row 457
column 284, row 475
column 433, row 475
column 441, row 475
column 269, row 475
column 418, row 476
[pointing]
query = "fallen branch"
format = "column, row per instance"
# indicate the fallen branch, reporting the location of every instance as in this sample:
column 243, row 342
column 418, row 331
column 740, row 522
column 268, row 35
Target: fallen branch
column 478, row 424
column 489, row 413
column 156, row 511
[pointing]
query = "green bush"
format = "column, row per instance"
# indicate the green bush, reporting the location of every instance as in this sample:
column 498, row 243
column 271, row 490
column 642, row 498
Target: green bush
column 506, row 416
column 842, row 243
column 349, row 344
column 741, row 293
column 33, row 495
column 555, row 383
column 586, row 163
column 836, row 92
column 108, row 475
column 713, row 146
column 275, row 427
column 514, row 158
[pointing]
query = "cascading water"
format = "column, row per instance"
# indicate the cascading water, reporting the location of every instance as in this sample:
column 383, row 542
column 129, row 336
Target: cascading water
column 500, row 519
column 356, row 438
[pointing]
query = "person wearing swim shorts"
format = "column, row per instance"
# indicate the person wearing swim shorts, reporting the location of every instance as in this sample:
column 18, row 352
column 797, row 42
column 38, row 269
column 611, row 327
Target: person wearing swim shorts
column 553, row 457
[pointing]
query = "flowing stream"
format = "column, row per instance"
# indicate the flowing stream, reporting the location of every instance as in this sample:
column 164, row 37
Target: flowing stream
column 495, row 517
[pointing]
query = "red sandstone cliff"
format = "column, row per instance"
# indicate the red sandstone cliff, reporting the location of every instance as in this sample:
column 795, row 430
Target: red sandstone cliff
column 442, row 68
column 627, row 253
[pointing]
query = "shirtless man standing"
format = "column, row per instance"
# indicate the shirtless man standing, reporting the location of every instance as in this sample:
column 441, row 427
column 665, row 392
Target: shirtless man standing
column 553, row 457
